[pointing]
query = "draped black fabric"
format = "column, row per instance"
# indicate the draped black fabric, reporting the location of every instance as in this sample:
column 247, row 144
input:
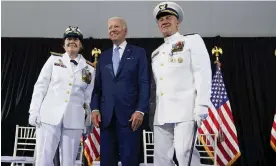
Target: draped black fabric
column 248, row 67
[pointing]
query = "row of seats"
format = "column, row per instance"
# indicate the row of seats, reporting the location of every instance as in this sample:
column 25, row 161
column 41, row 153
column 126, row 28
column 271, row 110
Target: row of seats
column 24, row 147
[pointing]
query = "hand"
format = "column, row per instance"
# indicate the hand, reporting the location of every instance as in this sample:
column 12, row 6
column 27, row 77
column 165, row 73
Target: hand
column 137, row 119
column 96, row 118
column 200, row 118
column 34, row 120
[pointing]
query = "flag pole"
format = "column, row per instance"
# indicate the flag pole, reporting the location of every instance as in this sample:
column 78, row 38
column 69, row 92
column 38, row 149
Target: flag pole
column 95, row 52
column 85, row 132
column 83, row 155
column 88, row 128
column 217, row 51
column 193, row 144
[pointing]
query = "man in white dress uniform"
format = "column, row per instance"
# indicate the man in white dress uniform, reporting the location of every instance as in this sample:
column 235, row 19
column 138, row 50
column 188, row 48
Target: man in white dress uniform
column 63, row 89
column 182, row 73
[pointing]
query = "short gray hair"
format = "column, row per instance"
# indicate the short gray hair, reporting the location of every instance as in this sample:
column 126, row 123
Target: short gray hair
column 121, row 19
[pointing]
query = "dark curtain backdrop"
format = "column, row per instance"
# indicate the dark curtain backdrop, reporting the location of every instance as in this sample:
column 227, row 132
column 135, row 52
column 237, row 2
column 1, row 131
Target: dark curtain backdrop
column 248, row 67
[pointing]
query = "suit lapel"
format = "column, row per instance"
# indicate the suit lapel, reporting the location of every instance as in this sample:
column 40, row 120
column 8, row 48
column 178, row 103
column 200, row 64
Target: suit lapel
column 66, row 61
column 81, row 65
column 109, row 63
column 126, row 54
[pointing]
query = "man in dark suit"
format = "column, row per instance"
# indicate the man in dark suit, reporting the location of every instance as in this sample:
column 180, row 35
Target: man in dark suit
column 120, row 98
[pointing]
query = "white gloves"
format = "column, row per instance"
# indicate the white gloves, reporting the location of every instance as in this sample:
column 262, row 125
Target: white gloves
column 34, row 120
column 201, row 113
column 200, row 118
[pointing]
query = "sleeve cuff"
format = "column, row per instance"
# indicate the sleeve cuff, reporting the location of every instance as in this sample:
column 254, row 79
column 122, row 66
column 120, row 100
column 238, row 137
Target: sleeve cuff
column 140, row 112
column 201, row 110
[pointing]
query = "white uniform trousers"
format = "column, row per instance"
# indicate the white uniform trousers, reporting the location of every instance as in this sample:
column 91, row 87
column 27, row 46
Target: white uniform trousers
column 176, row 136
column 47, row 139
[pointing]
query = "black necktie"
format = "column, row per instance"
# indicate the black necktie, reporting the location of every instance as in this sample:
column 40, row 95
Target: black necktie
column 73, row 61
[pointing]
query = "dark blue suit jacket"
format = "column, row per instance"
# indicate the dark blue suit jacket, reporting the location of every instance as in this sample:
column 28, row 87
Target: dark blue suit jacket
column 125, row 93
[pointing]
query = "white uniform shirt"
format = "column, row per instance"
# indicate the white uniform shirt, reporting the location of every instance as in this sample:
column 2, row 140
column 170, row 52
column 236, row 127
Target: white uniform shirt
column 77, row 59
column 183, row 79
column 61, row 92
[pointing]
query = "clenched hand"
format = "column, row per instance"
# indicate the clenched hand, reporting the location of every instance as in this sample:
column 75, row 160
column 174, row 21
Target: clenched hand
column 96, row 118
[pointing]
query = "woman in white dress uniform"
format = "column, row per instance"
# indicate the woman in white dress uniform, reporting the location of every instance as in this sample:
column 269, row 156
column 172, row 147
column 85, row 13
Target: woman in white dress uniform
column 63, row 88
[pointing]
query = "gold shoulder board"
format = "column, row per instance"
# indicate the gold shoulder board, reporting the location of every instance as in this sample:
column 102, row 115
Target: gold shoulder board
column 89, row 63
column 189, row 34
column 56, row 54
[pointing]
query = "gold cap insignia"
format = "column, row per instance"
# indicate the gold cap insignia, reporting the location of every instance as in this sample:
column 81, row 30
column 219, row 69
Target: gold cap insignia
column 163, row 7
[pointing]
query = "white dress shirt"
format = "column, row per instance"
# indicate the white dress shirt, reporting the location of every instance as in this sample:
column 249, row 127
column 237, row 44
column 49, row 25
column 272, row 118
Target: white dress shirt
column 122, row 48
column 77, row 59
column 183, row 79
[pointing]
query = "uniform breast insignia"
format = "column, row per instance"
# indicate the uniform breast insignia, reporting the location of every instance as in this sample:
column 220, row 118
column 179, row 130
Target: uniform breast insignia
column 60, row 63
column 177, row 47
column 86, row 75
column 175, row 59
column 180, row 59
column 172, row 59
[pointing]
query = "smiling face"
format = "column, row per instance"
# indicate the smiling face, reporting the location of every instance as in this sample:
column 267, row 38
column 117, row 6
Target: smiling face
column 168, row 25
column 72, row 45
column 117, row 30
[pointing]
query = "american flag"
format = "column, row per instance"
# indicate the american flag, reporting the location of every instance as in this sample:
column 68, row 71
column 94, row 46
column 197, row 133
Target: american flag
column 220, row 122
column 92, row 146
column 273, row 134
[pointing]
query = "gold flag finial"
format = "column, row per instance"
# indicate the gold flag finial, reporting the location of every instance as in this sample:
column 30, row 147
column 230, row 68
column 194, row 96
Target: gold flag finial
column 217, row 51
column 95, row 52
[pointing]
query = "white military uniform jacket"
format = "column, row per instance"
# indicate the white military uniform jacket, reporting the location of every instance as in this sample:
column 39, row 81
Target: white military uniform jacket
column 182, row 73
column 60, row 93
